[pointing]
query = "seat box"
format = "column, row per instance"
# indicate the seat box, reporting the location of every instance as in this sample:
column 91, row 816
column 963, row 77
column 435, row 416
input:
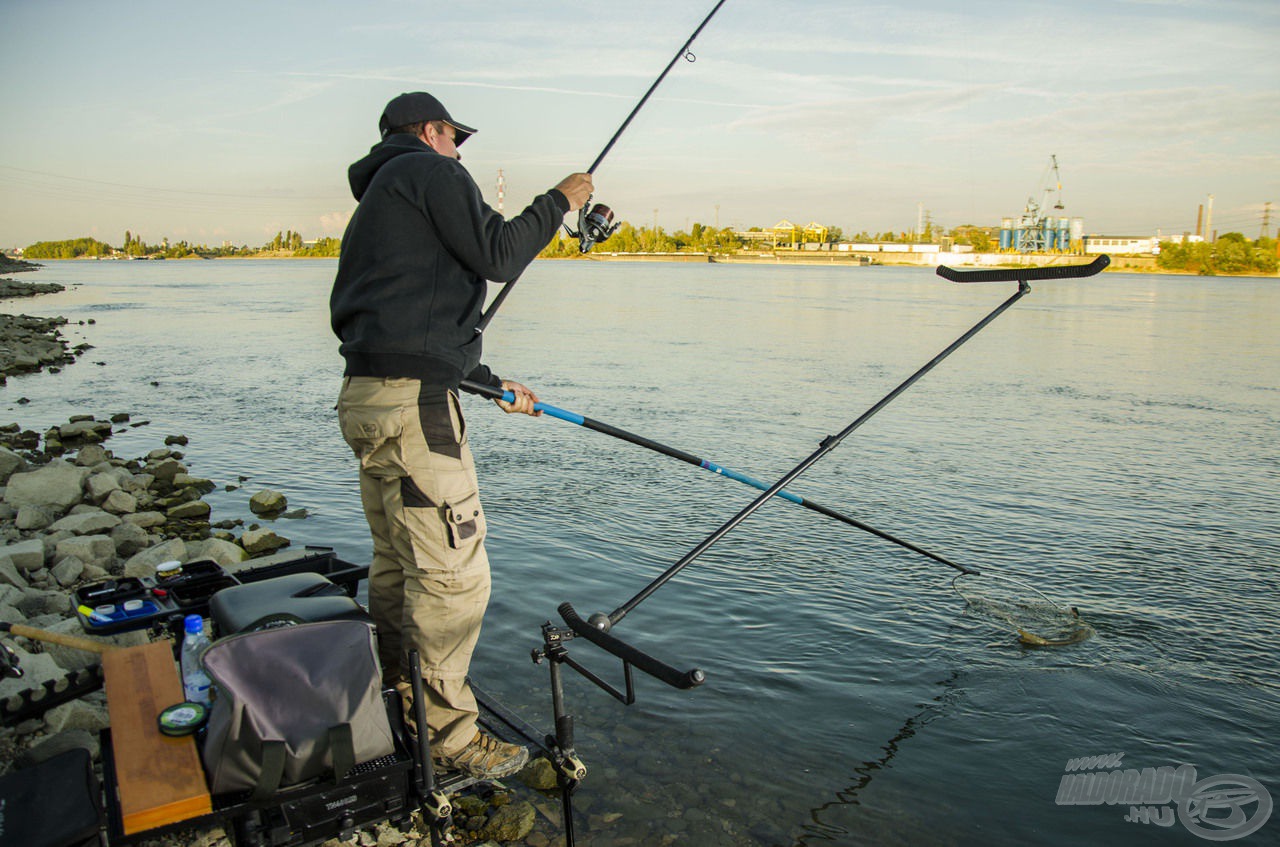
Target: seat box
column 282, row 601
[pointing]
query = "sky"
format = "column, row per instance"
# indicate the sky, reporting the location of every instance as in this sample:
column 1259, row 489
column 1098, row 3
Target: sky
column 232, row 121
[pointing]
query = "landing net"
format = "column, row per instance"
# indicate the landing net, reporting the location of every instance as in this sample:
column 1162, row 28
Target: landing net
column 1039, row 621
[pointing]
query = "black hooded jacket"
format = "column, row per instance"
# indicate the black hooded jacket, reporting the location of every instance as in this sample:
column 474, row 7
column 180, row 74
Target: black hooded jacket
column 411, row 278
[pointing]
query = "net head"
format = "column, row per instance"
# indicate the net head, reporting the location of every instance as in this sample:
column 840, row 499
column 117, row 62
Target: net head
column 1038, row 621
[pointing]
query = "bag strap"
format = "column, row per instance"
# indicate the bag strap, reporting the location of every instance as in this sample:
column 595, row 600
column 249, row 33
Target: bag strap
column 342, row 750
column 272, row 771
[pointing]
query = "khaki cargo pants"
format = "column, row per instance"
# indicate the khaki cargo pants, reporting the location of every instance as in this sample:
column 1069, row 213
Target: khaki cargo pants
column 429, row 580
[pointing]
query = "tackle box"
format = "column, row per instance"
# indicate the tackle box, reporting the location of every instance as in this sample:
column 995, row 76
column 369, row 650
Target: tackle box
column 128, row 603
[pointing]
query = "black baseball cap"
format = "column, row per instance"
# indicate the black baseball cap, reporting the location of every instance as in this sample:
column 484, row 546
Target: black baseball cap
column 417, row 107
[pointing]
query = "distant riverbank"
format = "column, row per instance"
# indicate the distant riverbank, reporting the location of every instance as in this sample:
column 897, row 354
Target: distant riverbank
column 838, row 258
column 823, row 258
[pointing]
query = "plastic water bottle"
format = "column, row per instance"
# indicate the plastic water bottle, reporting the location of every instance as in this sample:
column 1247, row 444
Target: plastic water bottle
column 195, row 682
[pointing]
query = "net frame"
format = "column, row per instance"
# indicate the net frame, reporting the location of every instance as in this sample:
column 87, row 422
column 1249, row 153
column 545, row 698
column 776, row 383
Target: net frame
column 1038, row 620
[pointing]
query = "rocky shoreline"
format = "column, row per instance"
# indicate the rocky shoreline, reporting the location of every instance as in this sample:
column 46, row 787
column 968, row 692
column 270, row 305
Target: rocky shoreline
column 28, row 343
column 72, row 514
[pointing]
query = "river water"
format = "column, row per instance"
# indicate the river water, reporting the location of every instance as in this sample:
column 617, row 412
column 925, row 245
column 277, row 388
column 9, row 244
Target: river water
column 1113, row 440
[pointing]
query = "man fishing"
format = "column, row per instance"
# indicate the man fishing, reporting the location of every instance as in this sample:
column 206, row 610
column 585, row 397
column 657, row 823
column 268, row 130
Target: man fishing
column 406, row 304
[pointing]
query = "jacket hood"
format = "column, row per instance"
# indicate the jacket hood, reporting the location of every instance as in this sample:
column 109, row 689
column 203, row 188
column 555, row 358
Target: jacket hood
column 361, row 173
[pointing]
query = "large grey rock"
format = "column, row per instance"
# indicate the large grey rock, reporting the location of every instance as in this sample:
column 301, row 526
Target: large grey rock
column 91, row 455
column 78, row 714
column 130, row 539
column 95, row 573
column 539, row 774
column 223, row 552
column 33, row 518
column 87, row 523
column 200, row 484
column 95, row 549
column 25, row 555
column 144, row 563
column 192, row 510
column 68, row 570
column 99, row 485
column 146, row 519
column 84, row 429
column 51, row 540
column 10, row 595
column 10, row 463
column 262, row 540
column 120, row 502
column 510, row 823
column 126, row 480
column 59, row 485
column 9, row 574
column 268, row 502
column 167, row 469
column 37, row 602
column 28, row 555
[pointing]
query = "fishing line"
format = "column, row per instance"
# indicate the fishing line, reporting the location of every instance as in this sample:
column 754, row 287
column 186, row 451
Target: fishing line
column 595, row 222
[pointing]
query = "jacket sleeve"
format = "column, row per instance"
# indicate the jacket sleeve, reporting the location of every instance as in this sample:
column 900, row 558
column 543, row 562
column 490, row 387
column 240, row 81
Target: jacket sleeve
column 484, row 376
column 494, row 248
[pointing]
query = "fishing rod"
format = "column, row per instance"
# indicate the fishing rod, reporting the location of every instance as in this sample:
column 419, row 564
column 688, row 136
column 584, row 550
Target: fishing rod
column 595, row 222
column 689, row 458
column 597, row 628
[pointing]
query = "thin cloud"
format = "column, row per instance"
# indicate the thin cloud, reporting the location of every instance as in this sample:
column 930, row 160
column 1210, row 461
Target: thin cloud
column 374, row 76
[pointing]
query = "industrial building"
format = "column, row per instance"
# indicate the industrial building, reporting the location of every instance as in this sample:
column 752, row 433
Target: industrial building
column 1035, row 234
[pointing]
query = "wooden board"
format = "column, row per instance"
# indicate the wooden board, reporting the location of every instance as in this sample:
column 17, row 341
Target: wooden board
column 161, row 780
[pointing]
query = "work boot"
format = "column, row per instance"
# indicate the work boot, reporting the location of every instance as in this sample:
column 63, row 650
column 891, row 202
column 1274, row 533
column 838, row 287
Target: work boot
column 486, row 758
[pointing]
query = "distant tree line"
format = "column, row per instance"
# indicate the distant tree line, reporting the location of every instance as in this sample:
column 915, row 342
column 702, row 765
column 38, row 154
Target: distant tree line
column 630, row 239
column 285, row 241
column 1230, row 254
column 72, row 249
column 706, row 239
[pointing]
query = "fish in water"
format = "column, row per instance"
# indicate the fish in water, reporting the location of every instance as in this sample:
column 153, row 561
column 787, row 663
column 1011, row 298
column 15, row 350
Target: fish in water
column 1075, row 636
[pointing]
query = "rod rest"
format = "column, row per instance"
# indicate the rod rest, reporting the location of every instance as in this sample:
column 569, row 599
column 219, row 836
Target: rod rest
column 624, row 651
column 1026, row 274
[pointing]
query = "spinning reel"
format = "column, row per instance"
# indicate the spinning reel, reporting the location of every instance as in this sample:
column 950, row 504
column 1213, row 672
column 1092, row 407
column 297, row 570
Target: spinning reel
column 594, row 226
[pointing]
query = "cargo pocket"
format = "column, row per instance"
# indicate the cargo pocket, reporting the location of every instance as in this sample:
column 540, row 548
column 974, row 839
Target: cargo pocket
column 374, row 437
column 465, row 520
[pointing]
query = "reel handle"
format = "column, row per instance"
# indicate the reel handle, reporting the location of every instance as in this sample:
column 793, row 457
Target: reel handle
column 655, row 668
